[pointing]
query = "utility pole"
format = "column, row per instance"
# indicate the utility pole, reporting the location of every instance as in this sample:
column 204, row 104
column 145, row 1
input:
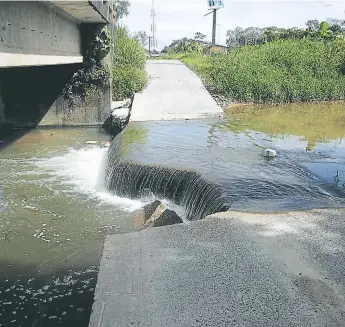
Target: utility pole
column 150, row 37
column 214, row 5
column 153, row 25
column 214, row 26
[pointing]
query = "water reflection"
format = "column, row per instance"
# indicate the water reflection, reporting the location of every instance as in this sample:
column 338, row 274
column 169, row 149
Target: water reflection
column 318, row 128
column 313, row 123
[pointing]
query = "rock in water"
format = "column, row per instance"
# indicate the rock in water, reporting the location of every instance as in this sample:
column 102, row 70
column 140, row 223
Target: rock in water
column 269, row 153
column 162, row 216
column 143, row 215
column 168, row 217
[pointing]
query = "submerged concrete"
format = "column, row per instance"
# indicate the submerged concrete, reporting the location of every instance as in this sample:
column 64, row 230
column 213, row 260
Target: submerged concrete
column 231, row 269
column 173, row 92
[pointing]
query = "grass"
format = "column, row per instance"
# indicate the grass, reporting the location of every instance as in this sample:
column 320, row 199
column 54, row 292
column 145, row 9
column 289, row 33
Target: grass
column 128, row 75
column 276, row 72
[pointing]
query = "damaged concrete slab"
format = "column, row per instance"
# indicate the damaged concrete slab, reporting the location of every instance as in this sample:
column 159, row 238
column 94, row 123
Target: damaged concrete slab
column 231, row 269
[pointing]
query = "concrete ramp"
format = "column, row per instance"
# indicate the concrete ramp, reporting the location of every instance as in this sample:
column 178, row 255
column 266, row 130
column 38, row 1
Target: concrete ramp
column 173, row 92
column 229, row 270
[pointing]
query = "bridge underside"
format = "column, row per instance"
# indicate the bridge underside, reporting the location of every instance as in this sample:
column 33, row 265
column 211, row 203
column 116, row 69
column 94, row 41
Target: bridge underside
column 43, row 33
column 41, row 47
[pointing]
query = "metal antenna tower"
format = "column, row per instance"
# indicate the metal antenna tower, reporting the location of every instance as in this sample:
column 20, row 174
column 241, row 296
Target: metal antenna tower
column 153, row 26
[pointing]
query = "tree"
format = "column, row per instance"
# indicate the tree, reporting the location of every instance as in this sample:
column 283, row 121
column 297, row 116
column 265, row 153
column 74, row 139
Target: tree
column 327, row 30
column 235, row 37
column 313, row 24
column 199, row 37
column 184, row 45
column 239, row 36
column 323, row 28
column 122, row 8
column 141, row 37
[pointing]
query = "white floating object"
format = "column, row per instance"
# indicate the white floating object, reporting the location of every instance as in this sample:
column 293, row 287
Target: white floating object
column 269, row 153
column 91, row 142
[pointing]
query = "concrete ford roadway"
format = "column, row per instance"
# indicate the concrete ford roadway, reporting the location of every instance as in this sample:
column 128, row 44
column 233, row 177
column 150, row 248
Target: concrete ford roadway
column 230, row 269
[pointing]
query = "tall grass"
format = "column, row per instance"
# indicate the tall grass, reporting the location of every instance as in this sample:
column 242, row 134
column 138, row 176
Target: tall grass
column 281, row 71
column 129, row 75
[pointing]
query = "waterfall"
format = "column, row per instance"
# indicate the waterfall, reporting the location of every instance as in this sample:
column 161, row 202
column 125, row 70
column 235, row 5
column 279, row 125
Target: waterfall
column 186, row 188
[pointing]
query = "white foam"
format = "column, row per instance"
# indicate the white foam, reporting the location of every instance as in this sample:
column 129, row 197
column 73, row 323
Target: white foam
column 83, row 170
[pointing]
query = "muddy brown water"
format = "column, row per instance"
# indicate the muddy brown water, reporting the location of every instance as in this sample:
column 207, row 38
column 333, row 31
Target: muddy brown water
column 55, row 212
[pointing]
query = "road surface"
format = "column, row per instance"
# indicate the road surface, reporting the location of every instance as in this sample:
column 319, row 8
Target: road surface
column 231, row 269
column 173, row 92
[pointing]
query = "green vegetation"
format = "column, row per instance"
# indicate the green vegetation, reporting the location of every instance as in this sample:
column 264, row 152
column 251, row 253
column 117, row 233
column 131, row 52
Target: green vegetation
column 273, row 65
column 280, row 71
column 330, row 30
column 129, row 59
column 93, row 77
column 197, row 45
column 122, row 8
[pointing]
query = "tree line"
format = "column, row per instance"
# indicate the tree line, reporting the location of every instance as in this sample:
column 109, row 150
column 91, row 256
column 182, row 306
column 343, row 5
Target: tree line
column 316, row 30
column 330, row 29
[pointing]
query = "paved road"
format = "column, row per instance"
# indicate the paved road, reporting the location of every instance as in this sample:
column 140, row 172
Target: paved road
column 173, row 92
column 232, row 269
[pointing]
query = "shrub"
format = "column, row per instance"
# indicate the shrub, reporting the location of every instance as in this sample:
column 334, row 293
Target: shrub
column 129, row 59
column 128, row 80
column 281, row 71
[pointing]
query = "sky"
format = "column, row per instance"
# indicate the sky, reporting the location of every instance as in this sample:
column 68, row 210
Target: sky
column 176, row 19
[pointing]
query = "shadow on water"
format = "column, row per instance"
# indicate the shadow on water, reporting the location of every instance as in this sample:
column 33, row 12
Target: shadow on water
column 9, row 135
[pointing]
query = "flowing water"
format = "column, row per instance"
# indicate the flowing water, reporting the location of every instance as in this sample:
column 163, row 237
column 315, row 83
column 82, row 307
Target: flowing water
column 55, row 209
column 53, row 218
column 228, row 154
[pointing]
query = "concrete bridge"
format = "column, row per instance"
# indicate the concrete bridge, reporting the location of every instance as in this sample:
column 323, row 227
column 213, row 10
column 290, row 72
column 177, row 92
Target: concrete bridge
column 42, row 44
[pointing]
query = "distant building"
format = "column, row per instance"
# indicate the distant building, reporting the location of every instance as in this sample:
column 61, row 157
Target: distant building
column 218, row 48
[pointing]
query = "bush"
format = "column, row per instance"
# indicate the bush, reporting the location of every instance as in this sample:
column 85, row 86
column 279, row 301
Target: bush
column 281, row 71
column 129, row 60
column 128, row 80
